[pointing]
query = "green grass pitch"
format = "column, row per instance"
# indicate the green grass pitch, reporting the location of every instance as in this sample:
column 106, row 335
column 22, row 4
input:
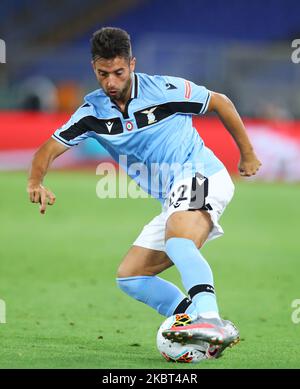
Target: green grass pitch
column 64, row 310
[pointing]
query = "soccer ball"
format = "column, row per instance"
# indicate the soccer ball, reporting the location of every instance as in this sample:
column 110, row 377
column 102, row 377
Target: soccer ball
column 179, row 352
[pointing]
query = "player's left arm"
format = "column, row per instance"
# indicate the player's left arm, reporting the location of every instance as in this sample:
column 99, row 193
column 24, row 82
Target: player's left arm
column 225, row 109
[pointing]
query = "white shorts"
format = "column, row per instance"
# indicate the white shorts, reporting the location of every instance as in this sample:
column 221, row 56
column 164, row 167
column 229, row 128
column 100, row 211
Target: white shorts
column 211, row 194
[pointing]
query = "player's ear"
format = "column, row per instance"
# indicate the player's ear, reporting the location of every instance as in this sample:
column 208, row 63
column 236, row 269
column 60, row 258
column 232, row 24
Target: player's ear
column 93, row 66
column 132, row 64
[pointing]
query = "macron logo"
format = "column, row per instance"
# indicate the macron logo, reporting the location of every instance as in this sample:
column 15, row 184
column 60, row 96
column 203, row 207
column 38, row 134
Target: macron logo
column 170, row 86
column 109, row 126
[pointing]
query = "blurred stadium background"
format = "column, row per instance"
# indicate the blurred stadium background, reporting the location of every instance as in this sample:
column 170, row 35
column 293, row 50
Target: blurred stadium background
column 240, row 48
column 55, row 270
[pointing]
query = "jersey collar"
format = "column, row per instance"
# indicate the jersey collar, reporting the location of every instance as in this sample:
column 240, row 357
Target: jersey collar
column 135, row 86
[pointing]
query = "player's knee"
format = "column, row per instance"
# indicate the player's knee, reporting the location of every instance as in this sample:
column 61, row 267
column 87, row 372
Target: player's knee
column 139, row 271
column 194, row 226
column 198, row 239
column 128, row 271
column 199, row 242
column 134, row 286
column 123, row 272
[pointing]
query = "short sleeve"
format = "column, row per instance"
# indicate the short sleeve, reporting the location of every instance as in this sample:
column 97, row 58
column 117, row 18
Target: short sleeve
column 74, row 131
column 194, row 98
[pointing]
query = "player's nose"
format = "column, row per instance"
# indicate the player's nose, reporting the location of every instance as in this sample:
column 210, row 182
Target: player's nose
column 110, row 83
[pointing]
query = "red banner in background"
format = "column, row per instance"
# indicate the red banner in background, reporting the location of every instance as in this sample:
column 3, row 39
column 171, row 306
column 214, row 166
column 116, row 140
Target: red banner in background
column 23, row 130
column 277, row 143
column 218, row 140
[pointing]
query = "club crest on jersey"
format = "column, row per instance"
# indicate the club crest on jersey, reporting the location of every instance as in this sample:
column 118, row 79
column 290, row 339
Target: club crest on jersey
column 150, row 115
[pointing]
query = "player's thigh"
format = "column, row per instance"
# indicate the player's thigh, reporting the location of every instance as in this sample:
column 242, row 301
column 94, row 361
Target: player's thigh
column 195, row 225
column 141, row 261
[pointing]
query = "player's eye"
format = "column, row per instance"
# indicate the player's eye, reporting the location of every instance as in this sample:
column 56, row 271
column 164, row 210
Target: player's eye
column 103, row 75
column 119, row 72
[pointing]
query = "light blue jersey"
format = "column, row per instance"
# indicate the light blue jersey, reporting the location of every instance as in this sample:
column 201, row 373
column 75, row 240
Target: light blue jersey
column 154, row 140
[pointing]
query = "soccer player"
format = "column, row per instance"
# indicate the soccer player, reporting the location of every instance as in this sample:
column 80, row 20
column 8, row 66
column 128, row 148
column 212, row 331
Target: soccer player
column 148, row 119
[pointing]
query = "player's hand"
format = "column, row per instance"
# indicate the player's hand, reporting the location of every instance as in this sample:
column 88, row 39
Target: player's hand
column 40, row 194
column 249, row 164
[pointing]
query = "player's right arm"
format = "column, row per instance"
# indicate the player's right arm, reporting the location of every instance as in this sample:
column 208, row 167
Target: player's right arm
column 220, row 104
column 41, row 162
column 64, row 138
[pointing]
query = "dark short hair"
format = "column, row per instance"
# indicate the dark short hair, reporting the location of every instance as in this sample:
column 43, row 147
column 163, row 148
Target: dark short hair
column 110, row 42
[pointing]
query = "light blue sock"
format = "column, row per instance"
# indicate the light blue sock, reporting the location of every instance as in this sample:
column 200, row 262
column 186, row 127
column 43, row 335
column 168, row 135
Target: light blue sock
column 195, row 273
column 159, row 294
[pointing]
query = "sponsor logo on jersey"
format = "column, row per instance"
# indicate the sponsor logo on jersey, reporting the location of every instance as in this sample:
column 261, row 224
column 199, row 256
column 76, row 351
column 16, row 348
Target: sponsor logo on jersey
column 170, row 86
column 109, row 126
